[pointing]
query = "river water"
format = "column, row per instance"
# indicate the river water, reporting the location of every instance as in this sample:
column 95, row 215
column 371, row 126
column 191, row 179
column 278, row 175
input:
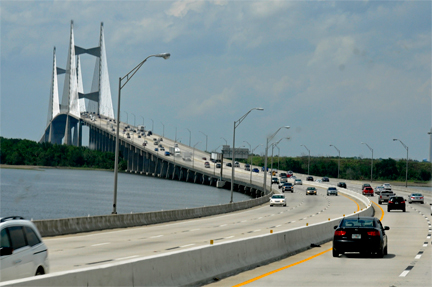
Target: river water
column 63, row 193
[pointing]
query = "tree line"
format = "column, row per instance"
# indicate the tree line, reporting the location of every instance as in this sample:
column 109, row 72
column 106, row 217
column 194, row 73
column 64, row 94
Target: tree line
column 351, row 168
column 26, row 152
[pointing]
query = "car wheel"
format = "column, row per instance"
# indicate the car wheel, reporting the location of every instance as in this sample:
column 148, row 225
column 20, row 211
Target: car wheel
column 409, row 202
column 379, row 202
column 285, row 205
column 271, row 205
column 388, row 209
column 385, row 250
column 403, row 210
column 335, row 253
column 40, row 271
column 380, row 253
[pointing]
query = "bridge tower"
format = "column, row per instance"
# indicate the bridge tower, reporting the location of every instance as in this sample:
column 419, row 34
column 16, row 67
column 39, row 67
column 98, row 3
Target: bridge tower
column 64, row 119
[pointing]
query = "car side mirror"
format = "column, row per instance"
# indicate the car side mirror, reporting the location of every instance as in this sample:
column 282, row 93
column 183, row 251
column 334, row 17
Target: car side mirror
column 386, row 228
column 6, row 251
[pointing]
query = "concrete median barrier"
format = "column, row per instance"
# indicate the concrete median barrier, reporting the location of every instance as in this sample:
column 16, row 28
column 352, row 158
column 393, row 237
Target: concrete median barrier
column 197, row 265
column 73, row 225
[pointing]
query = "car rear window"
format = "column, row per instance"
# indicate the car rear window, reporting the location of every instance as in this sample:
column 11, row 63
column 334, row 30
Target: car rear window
column 358, row 223
column 416, row 194
column 32, row 238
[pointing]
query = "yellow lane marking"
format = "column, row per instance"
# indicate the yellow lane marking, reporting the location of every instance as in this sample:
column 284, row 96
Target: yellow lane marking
column 297, row 263
column 282, row 268
column 382, row 211
column 358, row 206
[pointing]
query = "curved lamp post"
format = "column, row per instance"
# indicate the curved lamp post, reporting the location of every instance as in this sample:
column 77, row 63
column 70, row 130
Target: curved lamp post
column 308, row 156
column 270, row 138
column 251, row 161
column 126, row 79
column 338, row 158
column 271, row 165
column 236, row 124
column 127, row 117
column 143, row 120
column 190, row 136
column 371, row 159
column 152, row 125
column 226, row 142
column 193, row 154
column 163, row 129
column 134, row 118
column 406, row 172
column 206, row 139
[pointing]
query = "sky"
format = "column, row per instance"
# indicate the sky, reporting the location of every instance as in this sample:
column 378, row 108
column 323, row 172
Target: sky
column 337, row 72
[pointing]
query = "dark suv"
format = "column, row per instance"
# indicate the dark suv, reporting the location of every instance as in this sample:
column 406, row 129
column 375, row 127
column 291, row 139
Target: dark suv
column 288, row 186
column 396, row 202
column 325, row 179
column 342, row 184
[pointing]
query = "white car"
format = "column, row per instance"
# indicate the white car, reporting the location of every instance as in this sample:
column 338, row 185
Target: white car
column 298, row 181
column 277, row 199
column 22, row 251
column 387, row 186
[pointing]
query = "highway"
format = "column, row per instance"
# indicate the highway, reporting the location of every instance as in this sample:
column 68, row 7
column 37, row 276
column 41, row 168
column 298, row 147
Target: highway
column 409, row 262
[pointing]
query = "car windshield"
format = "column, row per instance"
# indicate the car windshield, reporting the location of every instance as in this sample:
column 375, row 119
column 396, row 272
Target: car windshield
column 332, row 188
column 358, row 222
column 277, row 196
column 311, row 188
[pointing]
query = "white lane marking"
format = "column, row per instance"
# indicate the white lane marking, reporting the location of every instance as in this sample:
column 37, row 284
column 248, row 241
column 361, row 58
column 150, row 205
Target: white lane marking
column 403, row 274
column 259, row 217
column 195, row 229
column 425, row 245
column 257, row 230
column 292, row 221
column 156, row 236
column 243, row 221
column 278, row 225
column 223, row 225
column 428, row 237
column 187, row 245
column 124, row 258
column 418, row 256
column 229, row 237
column 99, row 244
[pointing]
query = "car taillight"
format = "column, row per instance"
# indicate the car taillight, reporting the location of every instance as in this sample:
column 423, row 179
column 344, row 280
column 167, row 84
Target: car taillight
column 373, row 233
column 403, row 201
column 421, row 197
column 390, row 201
column 339, row 233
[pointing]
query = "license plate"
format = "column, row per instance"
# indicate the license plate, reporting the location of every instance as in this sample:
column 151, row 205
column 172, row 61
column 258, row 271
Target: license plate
column 356, row 236
column 396, row 202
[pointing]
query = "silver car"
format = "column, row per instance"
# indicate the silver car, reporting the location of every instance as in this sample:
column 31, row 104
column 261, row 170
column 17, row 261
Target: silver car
column 378, row 189
column 277, row 199
column 298, row 181
column 416, row 197
column 332, row 191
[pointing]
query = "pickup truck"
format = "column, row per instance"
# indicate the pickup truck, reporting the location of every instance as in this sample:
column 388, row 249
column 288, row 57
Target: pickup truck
column 385, row 196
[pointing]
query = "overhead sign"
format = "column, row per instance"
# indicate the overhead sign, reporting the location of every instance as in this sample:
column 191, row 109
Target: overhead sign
column 241, row 153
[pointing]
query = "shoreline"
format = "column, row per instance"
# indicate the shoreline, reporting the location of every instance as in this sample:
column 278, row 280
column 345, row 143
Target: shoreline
column 37, row 167
column 40, row 167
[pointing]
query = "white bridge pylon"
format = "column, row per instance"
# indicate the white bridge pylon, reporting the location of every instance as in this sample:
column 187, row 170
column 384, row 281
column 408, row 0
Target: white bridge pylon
column 74, row 100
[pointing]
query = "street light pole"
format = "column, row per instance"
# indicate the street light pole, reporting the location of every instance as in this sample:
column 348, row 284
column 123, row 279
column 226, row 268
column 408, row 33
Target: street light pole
column 265, row 159
column 127, row 117
column 226, row 142
column 236, row 124
column 190, row 136
column 308, row 156
column 406, row 172
column 163, row 129
column 430, row 145
column 127, row 77
column 371, row 160
column 143, row 120
column 206, row 139
column 152, row 125
column 338, row 158
column 134, row 118
column 193, row 155
column 251, row 161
